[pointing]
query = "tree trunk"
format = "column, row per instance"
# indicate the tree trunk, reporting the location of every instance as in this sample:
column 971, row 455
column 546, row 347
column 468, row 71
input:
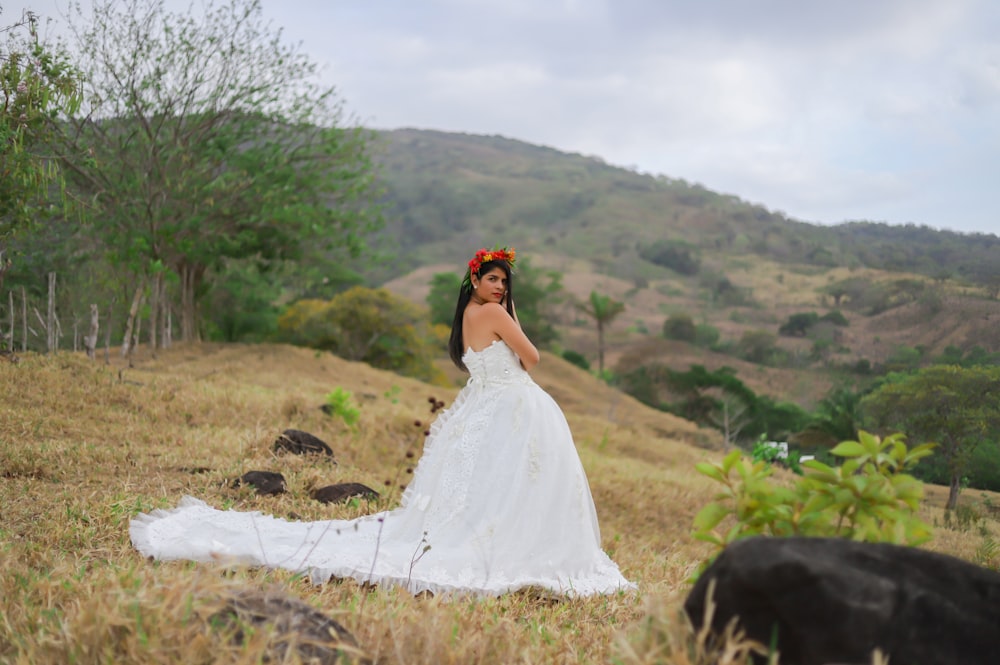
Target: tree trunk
column 154, row 310
column 24, row 321
column 130, row 324
column 10, row 344
column 190, row 281
column 51, row 341
column 953, row 488
column 167, row 335
column 90, row 341
column 107, row 334
column 600, row 347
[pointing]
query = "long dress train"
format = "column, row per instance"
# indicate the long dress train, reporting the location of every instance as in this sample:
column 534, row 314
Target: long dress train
column 499, row 496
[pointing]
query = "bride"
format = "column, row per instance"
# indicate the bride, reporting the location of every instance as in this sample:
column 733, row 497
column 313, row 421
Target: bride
column 499, row 500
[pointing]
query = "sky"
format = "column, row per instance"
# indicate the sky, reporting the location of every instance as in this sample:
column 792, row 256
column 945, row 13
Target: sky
column 879, row 110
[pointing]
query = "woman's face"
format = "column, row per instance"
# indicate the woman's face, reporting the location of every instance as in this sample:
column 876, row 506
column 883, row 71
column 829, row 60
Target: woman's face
column 490, row 287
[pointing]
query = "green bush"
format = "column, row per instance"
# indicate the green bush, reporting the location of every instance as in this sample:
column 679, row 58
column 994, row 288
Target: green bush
column 576, row 358
column 680, row 327
column 869, row 497
column 340, row 403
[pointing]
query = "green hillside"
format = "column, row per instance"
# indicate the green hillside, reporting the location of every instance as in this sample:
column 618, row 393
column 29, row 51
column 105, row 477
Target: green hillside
column 667, row 247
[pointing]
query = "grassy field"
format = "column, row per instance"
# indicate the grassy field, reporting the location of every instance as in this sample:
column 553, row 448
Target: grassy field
column 86, row 445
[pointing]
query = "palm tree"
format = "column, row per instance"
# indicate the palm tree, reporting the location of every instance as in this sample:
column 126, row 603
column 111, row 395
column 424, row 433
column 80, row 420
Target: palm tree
column 603, row 310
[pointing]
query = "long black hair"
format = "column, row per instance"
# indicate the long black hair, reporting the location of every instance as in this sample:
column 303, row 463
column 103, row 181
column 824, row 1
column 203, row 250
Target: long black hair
column 456, row 346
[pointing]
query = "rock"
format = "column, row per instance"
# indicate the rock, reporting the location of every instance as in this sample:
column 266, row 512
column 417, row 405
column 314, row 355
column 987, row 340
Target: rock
column 827, row 600
column 291, row 625
column 301, row 443
column 265, row 482
column 342, row 492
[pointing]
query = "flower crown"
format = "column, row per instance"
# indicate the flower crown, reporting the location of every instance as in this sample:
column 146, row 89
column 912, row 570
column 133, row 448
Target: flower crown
column 485, row 256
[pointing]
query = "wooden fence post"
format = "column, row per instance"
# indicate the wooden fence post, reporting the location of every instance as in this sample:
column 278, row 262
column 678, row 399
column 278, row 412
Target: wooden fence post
column 51, row 340
column 24, row 321
column 90, row 341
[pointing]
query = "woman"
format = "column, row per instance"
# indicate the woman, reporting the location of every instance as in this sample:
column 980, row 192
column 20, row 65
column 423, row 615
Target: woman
column 498, row 502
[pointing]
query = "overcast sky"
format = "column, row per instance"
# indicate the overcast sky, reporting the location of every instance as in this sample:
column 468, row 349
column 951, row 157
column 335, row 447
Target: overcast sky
column 884, row 110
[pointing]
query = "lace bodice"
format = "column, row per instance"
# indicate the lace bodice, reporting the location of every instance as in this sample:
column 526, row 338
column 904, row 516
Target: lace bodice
column 497, row 363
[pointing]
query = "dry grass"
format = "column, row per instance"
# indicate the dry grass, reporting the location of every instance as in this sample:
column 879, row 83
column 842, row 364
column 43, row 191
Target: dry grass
column 85, row 446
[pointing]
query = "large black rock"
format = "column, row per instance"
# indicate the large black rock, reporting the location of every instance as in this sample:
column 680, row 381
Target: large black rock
column 291, row 625
column 297, row 442
column 265, row 482
column 342, row 492
column 826, row 600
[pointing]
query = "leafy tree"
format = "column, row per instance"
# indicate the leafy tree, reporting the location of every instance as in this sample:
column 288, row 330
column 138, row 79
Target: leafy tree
column 678, row 256
column 536, row 292
column 603, row 310
column 680, row 327
column 442, row 297
column 368, row 325
column 757, row 346
column 798, row 325
column 206, row 138
column 838, row 417
column 37, row 84
column 576, row 358
column 957, row 407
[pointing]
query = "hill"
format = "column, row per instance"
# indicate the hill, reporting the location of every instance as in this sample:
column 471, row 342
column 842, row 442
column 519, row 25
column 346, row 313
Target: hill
column 668, row 247
column 85, row 446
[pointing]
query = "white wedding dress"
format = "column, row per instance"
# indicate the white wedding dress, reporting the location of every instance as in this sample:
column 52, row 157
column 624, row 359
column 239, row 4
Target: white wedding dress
column 499, row 496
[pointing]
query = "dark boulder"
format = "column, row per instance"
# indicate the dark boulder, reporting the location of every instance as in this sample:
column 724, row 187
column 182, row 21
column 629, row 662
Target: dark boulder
column 342, row 492
column 291, row 626
column 265, row 482
column 298, row 442
column 824, row 600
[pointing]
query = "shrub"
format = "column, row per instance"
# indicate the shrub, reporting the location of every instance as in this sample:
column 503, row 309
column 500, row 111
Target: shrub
column 576, row 358
column 339, row 403
column 869, row 497
column 680, row 327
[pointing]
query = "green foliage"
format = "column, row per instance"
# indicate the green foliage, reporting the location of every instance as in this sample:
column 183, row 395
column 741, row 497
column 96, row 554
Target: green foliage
column 957, row 407
column 680, row 257
column 706, row 336
column 38, row 85
column 680, row 327
column 536, row 292
column 207, row 139
column 368, row 325
column 717, row 399
column 798, row 325
column 770, row 453
column 242, row 305
column 340, row 403
column 603, row 309
column 870, row 497
column 576, row 358
column 757, row 346
column 442, row 297
column 838, row 417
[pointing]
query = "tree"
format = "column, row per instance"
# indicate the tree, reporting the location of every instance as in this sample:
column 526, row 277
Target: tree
column 37, row 84
column 798, row 324
column 205, row 139
column 368, row 325
column 837, row 418
column 536, row 292
column 603, row 310
column 680, row 327
column 443, row 296
column 956, row 407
